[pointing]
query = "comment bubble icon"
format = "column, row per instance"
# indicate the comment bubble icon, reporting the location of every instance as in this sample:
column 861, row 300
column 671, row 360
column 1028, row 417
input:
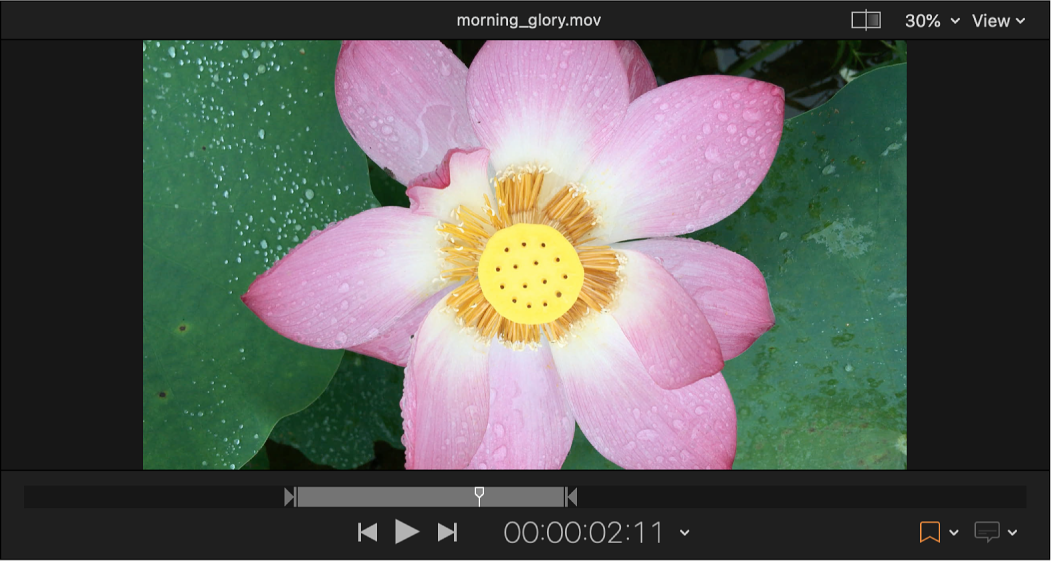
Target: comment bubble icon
column 986, row 530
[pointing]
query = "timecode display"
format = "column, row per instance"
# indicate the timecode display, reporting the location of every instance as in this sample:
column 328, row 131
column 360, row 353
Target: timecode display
column 573, row 532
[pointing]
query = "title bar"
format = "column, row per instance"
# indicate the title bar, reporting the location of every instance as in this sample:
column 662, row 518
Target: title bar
column 522, row 20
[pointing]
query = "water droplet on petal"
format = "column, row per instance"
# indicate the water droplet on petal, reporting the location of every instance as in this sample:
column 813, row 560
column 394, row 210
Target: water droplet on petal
column 647, row 434
column 712, row 154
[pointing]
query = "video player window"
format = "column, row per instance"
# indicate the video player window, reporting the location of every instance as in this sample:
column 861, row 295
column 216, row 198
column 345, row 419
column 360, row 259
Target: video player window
column 497, row 280
column 526, row 255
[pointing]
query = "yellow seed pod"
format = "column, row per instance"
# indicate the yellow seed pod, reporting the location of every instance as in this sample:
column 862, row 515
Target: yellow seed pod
column 530, row 273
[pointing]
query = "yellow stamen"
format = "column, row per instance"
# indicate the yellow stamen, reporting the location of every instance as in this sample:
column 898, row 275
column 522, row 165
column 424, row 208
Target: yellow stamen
column 527, row 269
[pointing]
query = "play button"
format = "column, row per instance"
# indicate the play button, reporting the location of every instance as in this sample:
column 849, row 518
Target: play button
column 403, row 531
column 445, row 532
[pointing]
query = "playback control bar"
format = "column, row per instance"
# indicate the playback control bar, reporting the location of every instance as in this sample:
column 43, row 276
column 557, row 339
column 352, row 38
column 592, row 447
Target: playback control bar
column 525, row 497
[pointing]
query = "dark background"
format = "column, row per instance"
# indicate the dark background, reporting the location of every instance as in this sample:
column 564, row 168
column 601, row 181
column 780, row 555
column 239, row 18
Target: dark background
column 978, row 399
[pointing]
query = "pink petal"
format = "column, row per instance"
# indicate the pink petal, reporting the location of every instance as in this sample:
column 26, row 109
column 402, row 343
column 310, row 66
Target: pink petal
column 393, row 345
column 670, row 334
column 445, row 395
column 548, row 103
column 460, row 180
column 687, row 155
column 348, row 284
column 404, row 103
column 728, row 288
column 531, row 425
column 638, row 70
column 630, row 419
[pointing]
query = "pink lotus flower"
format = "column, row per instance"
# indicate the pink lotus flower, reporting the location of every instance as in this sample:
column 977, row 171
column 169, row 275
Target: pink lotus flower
column 507, row 288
